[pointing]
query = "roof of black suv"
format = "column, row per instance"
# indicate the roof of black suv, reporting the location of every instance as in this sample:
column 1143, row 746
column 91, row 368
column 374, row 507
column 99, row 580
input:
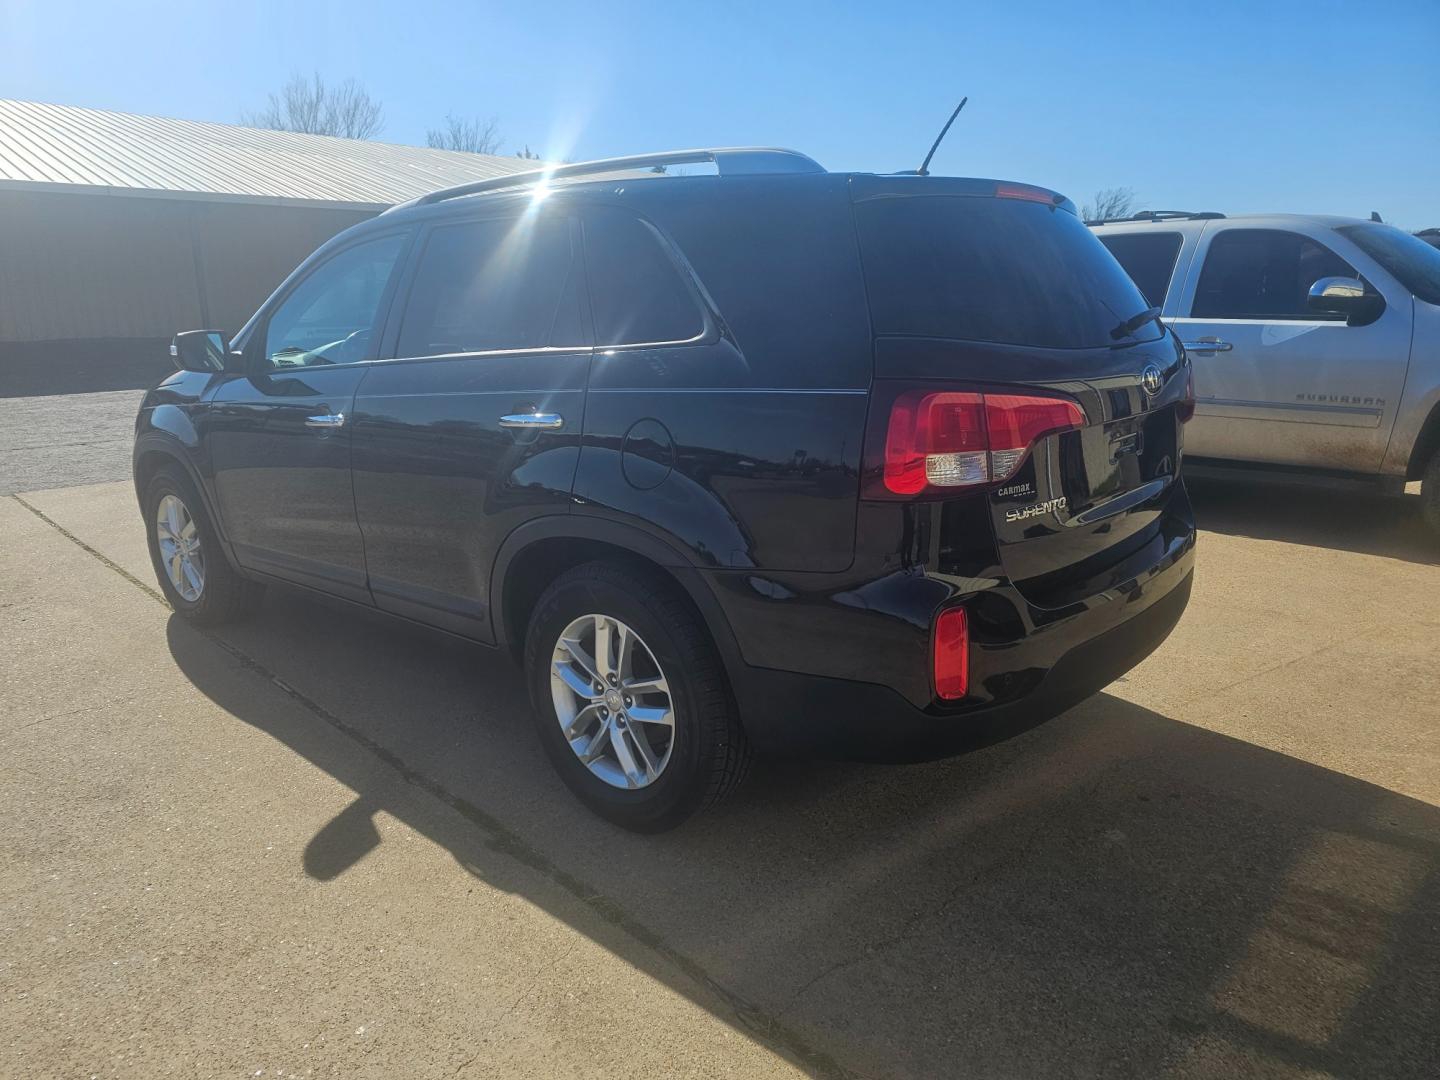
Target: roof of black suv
column 737, row 163
column 728, row 161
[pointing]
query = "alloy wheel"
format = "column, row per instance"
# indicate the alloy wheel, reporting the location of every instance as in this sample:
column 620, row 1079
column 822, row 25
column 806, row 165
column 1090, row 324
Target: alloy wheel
column 612, row 701
column 179, row 541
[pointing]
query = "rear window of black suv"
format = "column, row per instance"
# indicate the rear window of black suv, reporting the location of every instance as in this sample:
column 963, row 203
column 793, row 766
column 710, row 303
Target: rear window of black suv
column 999, row 270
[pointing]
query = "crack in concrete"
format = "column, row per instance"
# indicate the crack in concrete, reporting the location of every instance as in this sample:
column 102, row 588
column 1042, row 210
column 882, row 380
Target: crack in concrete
column 761, row 1025
column 62, row 445
column 124, row 699
column 530, row 989
column 148, row 590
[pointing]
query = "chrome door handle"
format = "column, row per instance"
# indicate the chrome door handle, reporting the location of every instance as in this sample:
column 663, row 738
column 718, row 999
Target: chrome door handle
column 326, row 420
column 532, row 420
column 1208, row 345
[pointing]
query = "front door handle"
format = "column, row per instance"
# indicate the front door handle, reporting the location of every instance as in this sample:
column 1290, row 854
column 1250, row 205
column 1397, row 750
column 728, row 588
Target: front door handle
column 533, row 420
column 326, row 420
column 1208, row 345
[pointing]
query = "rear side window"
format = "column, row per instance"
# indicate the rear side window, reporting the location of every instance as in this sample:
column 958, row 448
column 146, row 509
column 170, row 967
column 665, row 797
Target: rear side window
column 637, row 294
column 994, row 270
column 1149, row 259
column 487, row 286
column 1264, row 274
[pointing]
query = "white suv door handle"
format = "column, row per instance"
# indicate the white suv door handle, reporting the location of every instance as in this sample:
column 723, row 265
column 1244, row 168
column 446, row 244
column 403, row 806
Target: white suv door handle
column 1208, row 345
column 533, row 420
column 326, row 420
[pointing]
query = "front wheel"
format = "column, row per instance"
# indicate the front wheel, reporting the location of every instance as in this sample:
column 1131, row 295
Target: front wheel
column 630, row 698
column 194, row 575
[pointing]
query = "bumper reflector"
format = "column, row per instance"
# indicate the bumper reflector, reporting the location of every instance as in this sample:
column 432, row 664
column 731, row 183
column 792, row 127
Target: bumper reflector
column 952, row 654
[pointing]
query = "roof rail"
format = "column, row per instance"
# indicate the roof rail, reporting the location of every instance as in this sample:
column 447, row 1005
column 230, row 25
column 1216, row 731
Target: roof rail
column 728, row 161
column 1161, row 215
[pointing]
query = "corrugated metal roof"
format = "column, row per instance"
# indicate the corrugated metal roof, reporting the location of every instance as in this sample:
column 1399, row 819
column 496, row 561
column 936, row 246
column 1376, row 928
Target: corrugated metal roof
column 61, row 146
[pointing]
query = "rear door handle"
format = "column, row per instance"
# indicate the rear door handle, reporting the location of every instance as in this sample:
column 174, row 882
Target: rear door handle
column 533, row 420
column 326, row 420
column 1208, row 345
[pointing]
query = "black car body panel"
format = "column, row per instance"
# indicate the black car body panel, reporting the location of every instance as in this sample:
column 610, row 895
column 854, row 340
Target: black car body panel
column 717, row 371
column 782, row 496
column 812, row 715
column 282, row 489
column 439, row 484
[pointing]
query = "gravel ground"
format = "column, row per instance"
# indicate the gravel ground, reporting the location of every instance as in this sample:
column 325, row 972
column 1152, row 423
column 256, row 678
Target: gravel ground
column 66, row 439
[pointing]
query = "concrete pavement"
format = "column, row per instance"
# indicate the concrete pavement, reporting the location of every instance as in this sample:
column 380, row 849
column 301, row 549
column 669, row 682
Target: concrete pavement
column 171, row 893
column 233, row 852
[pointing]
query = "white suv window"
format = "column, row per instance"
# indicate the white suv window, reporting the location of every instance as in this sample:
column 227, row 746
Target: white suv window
column 1263, row 274
column 1149, row 259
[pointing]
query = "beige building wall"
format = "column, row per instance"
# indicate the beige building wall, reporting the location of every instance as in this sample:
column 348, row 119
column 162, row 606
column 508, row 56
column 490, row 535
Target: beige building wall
column 88, row 266
column 93, row 285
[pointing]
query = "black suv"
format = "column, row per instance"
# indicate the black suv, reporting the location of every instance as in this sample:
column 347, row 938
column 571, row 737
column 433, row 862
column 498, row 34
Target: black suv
column 775, row 458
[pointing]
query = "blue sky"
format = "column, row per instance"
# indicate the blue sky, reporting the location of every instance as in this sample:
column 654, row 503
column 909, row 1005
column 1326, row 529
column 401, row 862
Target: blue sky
column 1317, row 106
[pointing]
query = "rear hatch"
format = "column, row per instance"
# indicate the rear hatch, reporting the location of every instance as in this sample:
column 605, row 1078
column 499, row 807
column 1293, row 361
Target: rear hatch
column 995, row 308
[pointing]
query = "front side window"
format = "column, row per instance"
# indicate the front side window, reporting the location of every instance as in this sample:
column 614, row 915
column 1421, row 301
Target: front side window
column 496, row 285
column 1149, row 259
column 636, row 291
column 330, row 317
column 1264, row 274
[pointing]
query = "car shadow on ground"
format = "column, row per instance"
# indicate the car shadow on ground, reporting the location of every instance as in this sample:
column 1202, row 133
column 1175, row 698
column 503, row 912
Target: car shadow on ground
column 1343, row 519
column 1114, row 893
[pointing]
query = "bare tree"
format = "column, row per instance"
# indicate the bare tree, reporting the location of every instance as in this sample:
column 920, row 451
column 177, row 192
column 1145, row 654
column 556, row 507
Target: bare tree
column 315, row 108
column 1116, row 202
column 471, row 134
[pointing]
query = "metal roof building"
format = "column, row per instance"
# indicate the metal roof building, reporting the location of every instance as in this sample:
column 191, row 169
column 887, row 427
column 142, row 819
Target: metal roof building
column 117, row 230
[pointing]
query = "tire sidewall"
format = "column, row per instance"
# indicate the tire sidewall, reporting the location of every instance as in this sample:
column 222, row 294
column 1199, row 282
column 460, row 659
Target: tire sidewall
column 1430, row 492
column 680, row 788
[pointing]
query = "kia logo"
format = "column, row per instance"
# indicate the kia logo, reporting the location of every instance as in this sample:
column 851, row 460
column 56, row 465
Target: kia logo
column 1152, row 379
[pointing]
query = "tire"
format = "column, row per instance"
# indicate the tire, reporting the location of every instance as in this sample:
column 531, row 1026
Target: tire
column 223, row 595
column 1430, row 493
column 707, row 753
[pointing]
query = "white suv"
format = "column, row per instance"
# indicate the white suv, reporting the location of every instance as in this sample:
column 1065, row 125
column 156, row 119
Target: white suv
column 1315, row 340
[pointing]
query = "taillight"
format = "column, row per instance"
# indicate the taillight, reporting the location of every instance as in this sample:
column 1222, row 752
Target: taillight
column 1185, row 408
column 956, row 439
column 951, row 652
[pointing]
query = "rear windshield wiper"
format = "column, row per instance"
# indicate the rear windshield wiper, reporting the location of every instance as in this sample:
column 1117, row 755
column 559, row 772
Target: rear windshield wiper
column 1130, row 325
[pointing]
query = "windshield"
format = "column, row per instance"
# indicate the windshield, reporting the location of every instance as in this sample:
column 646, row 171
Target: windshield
column 1414, row 263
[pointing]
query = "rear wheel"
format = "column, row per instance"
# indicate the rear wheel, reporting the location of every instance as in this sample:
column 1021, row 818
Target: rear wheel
column 630, row 698
column 194, row 574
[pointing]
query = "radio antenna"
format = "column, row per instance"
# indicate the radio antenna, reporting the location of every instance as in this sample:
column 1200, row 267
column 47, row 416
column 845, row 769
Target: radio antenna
column 924, row 169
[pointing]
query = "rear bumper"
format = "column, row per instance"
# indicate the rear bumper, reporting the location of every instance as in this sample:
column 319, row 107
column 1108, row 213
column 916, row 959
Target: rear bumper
column 1028, row 680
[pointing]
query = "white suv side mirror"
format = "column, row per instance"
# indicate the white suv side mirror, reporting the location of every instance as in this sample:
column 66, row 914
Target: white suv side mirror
column 1346, row 296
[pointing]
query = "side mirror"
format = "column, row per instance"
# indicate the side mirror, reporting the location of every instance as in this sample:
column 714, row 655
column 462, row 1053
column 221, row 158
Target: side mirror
column 199, row 350
column 1348, row 297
